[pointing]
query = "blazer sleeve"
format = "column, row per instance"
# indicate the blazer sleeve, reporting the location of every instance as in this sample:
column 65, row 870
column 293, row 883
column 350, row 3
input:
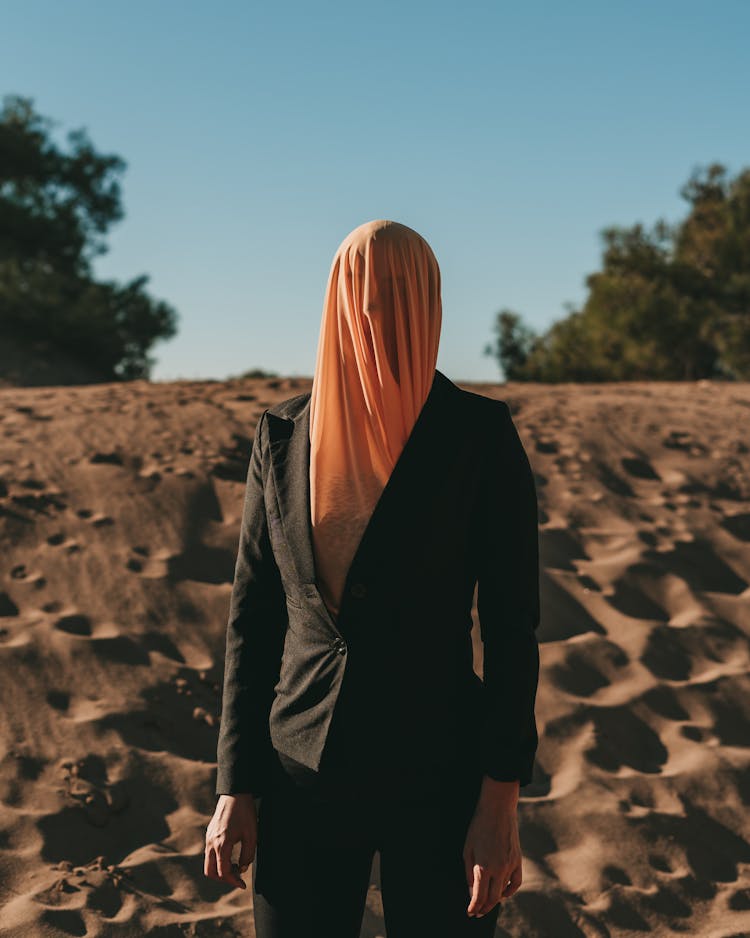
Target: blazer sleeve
column 254, row 639
column 508, row 604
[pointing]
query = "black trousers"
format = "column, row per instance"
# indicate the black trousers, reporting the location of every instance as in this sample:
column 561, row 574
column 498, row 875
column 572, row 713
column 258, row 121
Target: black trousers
column 316, row 846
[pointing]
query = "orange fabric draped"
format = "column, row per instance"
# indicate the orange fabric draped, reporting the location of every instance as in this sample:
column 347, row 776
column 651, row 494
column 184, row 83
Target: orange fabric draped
column 375, row 365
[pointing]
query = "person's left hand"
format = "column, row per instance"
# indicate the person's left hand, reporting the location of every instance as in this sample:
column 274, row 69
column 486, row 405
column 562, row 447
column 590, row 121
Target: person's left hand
column 492, row 850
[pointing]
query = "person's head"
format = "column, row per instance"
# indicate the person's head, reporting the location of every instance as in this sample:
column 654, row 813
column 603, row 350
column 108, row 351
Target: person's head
column 382, row 308
column 375, row 368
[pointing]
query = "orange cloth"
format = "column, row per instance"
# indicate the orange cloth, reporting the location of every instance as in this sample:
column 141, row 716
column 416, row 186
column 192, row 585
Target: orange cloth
column 375, row 365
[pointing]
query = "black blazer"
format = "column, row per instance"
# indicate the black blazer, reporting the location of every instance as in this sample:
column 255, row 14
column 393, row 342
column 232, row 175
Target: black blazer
column 389, row 686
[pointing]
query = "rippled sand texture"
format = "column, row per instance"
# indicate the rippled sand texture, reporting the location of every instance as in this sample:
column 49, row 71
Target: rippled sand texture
column 119, row 518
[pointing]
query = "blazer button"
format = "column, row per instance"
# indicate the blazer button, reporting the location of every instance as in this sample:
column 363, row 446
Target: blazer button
column 358, row 590
column 340, row 646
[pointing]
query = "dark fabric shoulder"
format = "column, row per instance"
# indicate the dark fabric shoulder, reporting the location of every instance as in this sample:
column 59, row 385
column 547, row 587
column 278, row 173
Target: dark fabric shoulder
column 483, row 408
column 290, row 407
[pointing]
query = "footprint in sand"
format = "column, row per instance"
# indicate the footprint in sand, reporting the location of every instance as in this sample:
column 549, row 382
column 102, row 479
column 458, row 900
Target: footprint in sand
column 52, row 606
column 546, row 446
column 588, row 584
column 698, row 563
column 615, row 874
column 637, row 593
column 40, row 503
column 738, row 526
column 87, row 783
column 696, row 734
column 97, row 519
column 623, row 739
column 560, row 549
column 36, row 485
column 563, row 614
column 58, row 699
column 739, row 901
column 663, row 700
column 684, row 441
column 588, row 668
column 7, row 606
column 612, row 481
column 149, row 479
column 156, row 567
column 202, row 563
column 639, row 468
column 102, row 521
column 75, row 624
column 112, row 458
column 179, row 714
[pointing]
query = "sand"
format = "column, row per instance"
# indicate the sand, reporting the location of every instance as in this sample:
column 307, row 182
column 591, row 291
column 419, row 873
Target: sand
column 119, row 518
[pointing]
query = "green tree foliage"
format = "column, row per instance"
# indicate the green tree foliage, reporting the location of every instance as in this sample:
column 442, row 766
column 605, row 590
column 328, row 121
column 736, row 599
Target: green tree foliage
column 670, row 303
column 55, row 209
column 513, row 344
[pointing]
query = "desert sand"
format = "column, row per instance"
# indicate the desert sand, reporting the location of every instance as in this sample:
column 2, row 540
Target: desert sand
column 120, row 511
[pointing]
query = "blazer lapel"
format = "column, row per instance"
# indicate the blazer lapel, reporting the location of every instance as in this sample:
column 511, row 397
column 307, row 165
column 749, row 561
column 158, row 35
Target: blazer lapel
column 289, row 443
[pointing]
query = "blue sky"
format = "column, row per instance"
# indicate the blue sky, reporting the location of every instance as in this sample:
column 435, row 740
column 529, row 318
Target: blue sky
column 258, row 135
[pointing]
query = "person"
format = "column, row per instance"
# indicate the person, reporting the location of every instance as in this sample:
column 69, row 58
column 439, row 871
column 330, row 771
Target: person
column 353, row 723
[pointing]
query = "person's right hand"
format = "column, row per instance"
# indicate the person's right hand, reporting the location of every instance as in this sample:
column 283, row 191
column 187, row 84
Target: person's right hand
column 235, row 819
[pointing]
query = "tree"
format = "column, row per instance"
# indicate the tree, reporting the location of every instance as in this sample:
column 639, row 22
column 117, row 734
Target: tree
column 670, row 303
column 56, row 206
column 513, row 343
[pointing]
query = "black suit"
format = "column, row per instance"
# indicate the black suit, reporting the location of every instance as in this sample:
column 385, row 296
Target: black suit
column 390, row 686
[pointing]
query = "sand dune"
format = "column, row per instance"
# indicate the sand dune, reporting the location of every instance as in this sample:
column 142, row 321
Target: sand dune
column 119, row 517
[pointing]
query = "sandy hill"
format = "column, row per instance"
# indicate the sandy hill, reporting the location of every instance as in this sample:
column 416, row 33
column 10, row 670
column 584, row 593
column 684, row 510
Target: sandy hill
column 119, row 517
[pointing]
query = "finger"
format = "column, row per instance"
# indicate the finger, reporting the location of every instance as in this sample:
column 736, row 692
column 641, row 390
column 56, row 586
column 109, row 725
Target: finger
column 494, row 891
column 209, row 863
column 224, row 861
column 479, row 892
column 514, row 884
